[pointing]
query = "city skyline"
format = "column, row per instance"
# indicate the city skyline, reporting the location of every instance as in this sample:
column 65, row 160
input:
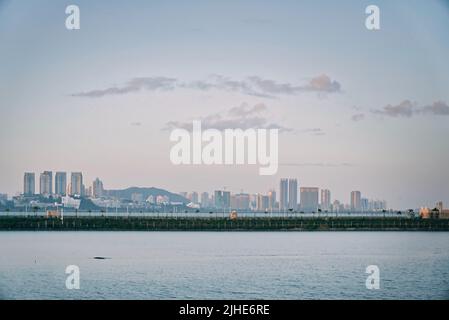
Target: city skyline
column 354, row 111
column 289, row 189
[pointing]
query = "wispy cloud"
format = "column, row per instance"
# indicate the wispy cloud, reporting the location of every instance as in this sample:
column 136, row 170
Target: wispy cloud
column 313, row 131
column 404, row 109
column 358, row 117
column 408, row 109
column 253, row 86
column 241, row 117
column 438, row 108
column 222, row 83
column 320, row 84
column 133, row 85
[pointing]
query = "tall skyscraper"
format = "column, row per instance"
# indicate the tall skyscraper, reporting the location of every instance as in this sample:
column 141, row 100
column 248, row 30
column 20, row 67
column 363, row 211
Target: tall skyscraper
column 337, row 206
column 61, row 183
column 205, row 200
column 97, row 188
column 29, row 184
column 226, row 199
column 377, row 205
column 365, row 204
column 271, row 199
column 262, row 202
column 356, row 201
column 88, row 192
column 76, row 184
column 293, row 194
column 46, row 183
column 218, row 196
column 283, row 190
column 194, row 197
column 240, row 201
column 309, row 199
column 325, row 199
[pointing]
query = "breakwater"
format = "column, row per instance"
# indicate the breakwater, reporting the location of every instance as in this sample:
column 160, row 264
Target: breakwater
column 17, row 223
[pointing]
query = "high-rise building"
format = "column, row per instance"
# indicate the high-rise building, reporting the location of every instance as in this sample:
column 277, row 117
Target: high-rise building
column 356, row 201
column 253, row 201
column 194, row 197
column 272, row 199
column 240, row 201
column 337, row 206
column 29, row 184
column 325, row 199
column 46, row 183
column 218, row 196
column 262, row 202
column 309, row 199
column 205, row 200
column 377, row 205
column 97, row 188
column 61, row 183
column 283, row 190
column 76, row 184
column 365, row 204
column 88, row 192
column 226, row 199
column 292, row 194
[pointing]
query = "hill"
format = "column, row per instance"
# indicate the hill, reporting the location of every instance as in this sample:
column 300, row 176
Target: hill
column 145, row 192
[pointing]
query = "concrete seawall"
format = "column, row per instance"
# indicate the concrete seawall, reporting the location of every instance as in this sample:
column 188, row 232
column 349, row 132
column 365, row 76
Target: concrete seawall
column 220, row 224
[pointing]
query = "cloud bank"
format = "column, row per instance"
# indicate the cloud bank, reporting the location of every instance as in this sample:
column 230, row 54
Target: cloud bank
column 253, row 86
column 408, row 109
column 133, row 85
column 241, row 117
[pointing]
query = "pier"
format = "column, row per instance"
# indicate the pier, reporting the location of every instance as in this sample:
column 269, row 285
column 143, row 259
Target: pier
column 120, row 223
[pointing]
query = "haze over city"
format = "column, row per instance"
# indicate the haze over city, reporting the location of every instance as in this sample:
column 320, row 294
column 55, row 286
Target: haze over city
column 354, row 112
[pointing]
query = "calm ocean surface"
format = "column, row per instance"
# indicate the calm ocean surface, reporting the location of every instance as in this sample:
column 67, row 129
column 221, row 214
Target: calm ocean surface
column 205, row 265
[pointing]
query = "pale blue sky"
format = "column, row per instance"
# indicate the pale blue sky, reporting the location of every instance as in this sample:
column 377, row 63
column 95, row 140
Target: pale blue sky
column 120, row 138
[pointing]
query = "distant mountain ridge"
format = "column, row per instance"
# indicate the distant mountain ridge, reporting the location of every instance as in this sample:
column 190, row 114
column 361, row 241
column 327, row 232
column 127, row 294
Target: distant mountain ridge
column 145, row 192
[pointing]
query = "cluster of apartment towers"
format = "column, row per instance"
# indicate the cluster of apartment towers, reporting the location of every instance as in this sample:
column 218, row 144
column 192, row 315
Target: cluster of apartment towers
column 75, row 188
column 311, row 199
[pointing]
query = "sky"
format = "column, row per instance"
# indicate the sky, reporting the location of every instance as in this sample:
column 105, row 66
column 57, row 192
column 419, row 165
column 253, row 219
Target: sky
column 358, row 109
